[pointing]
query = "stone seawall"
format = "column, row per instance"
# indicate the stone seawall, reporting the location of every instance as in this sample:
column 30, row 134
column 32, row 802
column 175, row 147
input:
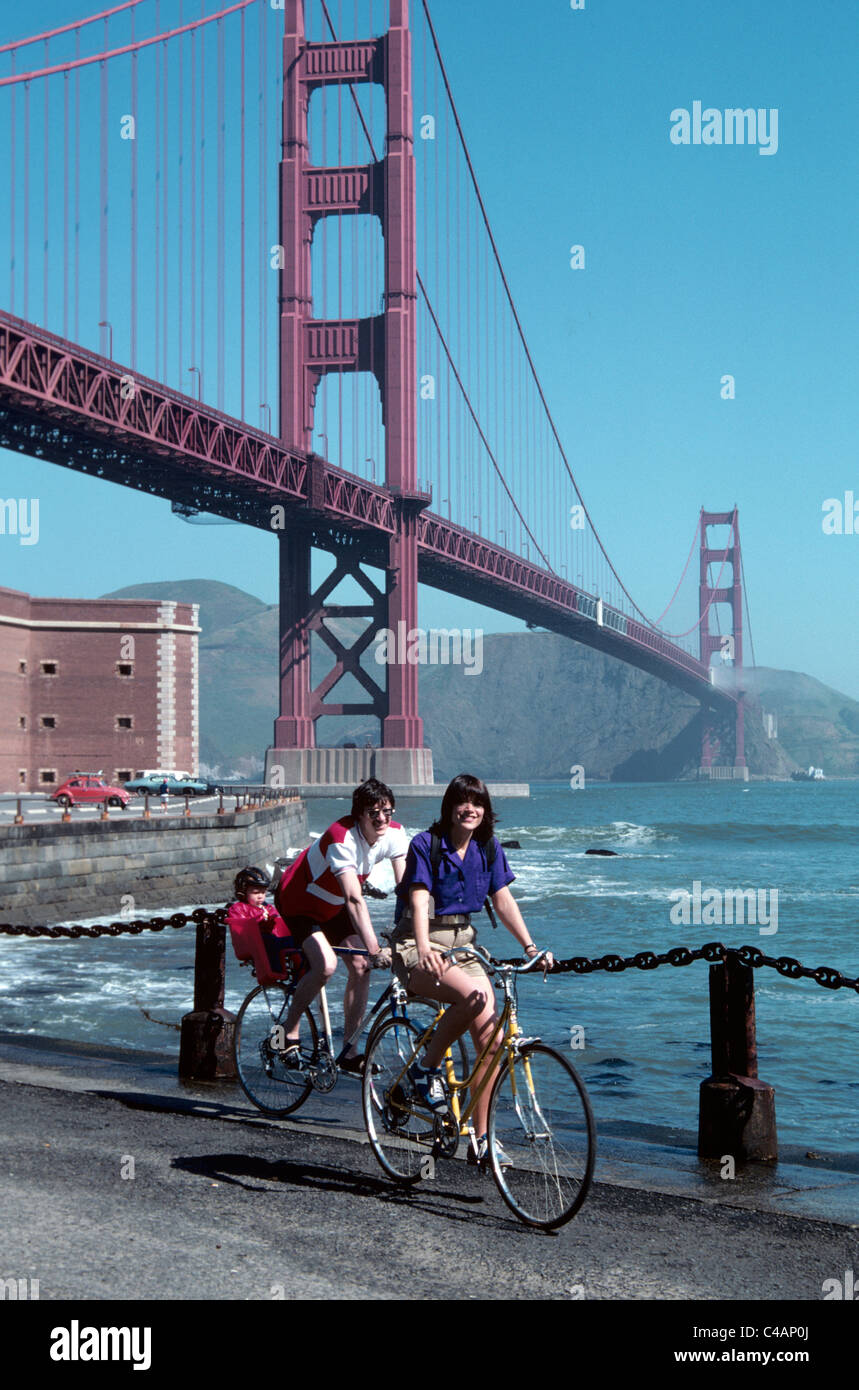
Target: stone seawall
column 63, row 872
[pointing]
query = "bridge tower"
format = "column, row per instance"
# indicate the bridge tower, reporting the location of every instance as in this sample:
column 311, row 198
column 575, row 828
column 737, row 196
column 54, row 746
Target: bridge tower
column 729, row 646
column 311, row 347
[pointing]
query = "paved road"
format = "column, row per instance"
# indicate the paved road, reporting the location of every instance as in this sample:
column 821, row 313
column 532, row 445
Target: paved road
column 229, row 1206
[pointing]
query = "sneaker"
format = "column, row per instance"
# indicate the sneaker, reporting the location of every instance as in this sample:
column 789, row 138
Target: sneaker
column 481, row 1158
column 429, row 1087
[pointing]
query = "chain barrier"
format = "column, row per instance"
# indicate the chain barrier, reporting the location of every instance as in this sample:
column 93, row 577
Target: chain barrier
column 713, row 952
column 132, row 928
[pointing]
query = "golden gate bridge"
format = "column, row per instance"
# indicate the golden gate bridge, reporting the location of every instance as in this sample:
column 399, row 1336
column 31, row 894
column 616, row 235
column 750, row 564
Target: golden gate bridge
column 251, row 271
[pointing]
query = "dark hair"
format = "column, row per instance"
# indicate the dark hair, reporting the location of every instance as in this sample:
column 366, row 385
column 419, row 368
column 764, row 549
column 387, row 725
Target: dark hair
column 466, row 788
column 368, row 794
column 250, row 878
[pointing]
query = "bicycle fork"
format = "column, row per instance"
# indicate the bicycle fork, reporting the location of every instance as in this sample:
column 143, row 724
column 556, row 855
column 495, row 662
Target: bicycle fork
column 535, row 1113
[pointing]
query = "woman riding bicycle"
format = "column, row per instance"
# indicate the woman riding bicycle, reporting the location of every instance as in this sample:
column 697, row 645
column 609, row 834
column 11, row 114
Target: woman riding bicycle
column 450, row 870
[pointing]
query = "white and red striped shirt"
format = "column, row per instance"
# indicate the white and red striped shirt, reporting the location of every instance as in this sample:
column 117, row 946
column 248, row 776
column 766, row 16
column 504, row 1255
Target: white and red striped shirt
column 311, row 888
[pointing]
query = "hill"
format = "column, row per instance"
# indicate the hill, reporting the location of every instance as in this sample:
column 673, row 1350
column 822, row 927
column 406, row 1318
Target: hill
column 541, row 704
column 221, row 605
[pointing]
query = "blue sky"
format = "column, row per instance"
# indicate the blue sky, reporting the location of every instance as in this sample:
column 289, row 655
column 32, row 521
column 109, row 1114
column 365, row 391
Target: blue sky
column 701, row 261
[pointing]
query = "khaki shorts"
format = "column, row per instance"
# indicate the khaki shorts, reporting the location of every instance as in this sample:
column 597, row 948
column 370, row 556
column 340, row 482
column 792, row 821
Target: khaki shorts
column 444, row 939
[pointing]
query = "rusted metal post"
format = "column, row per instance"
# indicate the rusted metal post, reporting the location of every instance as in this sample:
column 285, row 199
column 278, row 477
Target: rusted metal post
column 19, row 818
column 206, row 1039
column 221, row 804
column 104, row 812
column 146, row 815
column 736, row 1113
column 187, row 805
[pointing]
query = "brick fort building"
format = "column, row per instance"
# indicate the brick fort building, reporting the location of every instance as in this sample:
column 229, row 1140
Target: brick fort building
column 95, row 684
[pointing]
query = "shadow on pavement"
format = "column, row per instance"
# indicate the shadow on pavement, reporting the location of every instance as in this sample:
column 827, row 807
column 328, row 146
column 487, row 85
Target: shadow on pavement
column 234, row 1168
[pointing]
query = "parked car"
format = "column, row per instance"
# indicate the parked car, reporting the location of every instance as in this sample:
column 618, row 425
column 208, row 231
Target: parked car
column 176, row 786
column 87, row 787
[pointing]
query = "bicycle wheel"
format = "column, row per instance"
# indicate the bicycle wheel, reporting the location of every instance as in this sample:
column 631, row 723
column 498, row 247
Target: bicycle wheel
column 272, row 1087
column 540, row 1115
column 402, row 1134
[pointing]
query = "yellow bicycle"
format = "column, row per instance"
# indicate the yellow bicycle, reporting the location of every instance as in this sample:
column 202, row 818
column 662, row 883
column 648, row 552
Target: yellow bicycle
column 541, row 1132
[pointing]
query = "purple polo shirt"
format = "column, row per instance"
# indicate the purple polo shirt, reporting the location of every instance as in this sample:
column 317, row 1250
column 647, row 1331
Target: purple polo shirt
column 460, row 885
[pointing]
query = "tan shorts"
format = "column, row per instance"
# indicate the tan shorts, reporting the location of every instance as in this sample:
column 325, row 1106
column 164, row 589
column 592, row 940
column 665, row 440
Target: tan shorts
column 444, row 939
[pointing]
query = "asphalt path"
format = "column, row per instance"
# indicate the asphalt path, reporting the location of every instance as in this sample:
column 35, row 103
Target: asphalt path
column 222, row 1205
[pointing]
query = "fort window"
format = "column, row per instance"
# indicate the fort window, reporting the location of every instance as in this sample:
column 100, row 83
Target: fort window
column 48, row 721
column 124, row 721
column 22, row 776
column 124, row 774
column 125, row 668
column 22, row 721
column 49, row 668
column 22, row 668
column 47, row 774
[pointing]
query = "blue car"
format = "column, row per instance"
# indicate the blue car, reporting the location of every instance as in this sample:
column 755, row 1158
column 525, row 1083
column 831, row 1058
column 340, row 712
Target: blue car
column 176, row 785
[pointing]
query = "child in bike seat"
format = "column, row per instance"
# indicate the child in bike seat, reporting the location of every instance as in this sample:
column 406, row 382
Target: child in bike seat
column 250, row 910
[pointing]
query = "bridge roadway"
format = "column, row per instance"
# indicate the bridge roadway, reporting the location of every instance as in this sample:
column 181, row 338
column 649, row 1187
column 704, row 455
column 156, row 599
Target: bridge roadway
column 63, row 403
column 227, row 1204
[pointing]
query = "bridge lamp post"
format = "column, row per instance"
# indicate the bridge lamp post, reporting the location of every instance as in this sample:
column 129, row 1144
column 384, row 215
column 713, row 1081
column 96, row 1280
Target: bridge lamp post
column 105, row 323
column 199, row 381
column 446, row 500
column 320, row 435
column 504, row 534
column 264, row 405
column 527, row 550
column 476, row 518
column 373, row 462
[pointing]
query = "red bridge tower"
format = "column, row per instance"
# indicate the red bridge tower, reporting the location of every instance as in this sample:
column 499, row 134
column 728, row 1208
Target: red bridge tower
column 729, row 646
column 309, row 348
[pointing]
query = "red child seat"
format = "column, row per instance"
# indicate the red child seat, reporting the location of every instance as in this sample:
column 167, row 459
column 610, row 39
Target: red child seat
column 248, row 944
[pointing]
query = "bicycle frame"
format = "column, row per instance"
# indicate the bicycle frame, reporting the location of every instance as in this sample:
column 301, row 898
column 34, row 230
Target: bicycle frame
column 540, row 1134
column 506, row 1028
column 391, row 992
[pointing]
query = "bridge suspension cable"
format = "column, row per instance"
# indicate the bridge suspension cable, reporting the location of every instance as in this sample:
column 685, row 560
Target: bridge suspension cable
column 423, row 289
column 67, row 28
column 71, row 64
column 515, row 313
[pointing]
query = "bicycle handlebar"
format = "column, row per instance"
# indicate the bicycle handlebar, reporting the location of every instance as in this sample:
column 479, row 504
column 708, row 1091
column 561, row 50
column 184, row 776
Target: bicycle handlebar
column 375, row 962
column 477, row 950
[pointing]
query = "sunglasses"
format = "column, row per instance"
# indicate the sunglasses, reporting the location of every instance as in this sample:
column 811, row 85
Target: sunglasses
column 378, row 813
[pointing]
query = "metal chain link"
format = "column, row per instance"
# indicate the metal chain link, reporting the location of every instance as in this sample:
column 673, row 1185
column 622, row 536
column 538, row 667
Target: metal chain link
column 132, row 928
column 713, row 952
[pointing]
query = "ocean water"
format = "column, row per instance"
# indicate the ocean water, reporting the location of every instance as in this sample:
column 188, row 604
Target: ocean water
column 646, row 1034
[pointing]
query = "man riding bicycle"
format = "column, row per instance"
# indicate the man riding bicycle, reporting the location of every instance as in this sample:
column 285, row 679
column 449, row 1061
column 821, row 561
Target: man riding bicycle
column 320, row 899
